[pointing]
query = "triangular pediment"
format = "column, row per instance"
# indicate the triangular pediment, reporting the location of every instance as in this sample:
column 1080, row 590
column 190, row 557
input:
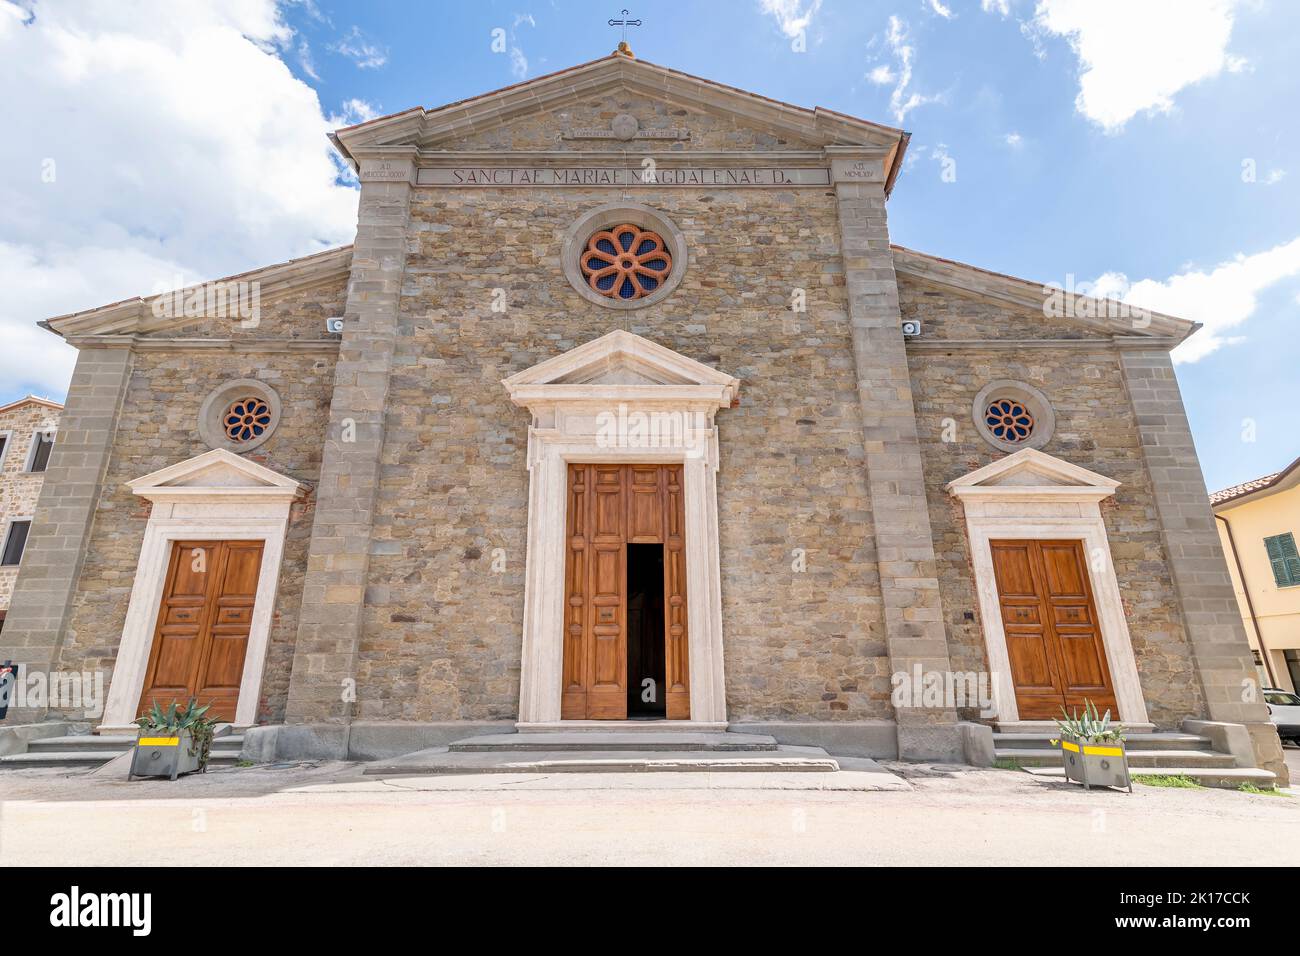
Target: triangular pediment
column 1030, row 471
column 620, row 364
column 216, row 473
column 469, row 124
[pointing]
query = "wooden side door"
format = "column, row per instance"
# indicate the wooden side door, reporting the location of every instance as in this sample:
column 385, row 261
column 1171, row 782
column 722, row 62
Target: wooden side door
column 1050, row 622
column 201, row 638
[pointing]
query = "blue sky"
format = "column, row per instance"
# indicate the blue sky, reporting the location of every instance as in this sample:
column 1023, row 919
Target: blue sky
column 1149, row 147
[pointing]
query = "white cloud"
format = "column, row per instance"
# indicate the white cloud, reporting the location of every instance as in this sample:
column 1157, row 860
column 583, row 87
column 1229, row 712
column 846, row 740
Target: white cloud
column 361, row 50
column 1135, row 57
column 1221, row 299
column 882, row 75
column 1274, row 176
column 179, row 145
column 1001, row 7
column 902, row 100
column 938, row 7
column 305, row 61
column 1014, row 140
column 353, row 111
column 792, row 16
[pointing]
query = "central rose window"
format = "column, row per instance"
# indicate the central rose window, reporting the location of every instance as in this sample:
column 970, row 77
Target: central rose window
column 625, row 262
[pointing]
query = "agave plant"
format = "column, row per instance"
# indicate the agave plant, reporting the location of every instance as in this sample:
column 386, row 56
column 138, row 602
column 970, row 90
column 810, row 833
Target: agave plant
column 1090, row 725
column 175, row 720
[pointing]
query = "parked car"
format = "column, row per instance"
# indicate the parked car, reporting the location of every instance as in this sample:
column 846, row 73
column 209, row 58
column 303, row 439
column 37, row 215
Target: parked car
column 1284, row 711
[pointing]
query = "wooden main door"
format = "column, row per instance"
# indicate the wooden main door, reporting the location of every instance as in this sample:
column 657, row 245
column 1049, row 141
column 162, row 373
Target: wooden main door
column 201, row 637
column 609, row 507
column 1050, row 620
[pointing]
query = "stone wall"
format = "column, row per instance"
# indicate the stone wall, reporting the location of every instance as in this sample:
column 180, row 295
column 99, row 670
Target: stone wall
column 157, row 427
column 1094, row 428
column 20, row 488
column 442, row 631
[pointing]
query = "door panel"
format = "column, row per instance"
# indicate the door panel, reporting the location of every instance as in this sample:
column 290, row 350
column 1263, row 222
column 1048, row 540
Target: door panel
column 607, row 584
column 677, row 693
column 1053, row 640
column 201, row 638
column 609, row 507
column 573, row 697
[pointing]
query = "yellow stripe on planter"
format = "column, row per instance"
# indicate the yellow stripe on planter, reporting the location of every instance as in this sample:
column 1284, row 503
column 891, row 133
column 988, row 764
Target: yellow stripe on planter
column 1066, row 745
column 159, row 742
column 1102, row 751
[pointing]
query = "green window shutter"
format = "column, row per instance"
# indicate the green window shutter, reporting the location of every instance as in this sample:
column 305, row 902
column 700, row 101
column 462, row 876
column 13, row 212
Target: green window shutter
column 1284, row 558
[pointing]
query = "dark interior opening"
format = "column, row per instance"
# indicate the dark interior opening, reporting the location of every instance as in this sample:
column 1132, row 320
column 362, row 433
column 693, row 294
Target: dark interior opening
column 646, row 668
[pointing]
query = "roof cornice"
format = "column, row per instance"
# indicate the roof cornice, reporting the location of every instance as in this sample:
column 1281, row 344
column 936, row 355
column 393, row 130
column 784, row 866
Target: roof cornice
column 136, row 315
column 1164, row 331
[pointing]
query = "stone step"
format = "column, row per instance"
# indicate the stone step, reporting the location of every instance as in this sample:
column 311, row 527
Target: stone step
column 440, row 760
column 624, row 726
column 90, row 758
column 1152, row 741
column 114, row 744
column 618, row 741
column 1051, row 757
column 1225, row 778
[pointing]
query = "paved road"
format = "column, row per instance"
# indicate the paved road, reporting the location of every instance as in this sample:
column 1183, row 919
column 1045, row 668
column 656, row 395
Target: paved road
column 330, row 814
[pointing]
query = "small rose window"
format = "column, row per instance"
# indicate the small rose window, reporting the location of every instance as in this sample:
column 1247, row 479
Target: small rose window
column 1008, row 420
column 246, row 419
column 626, row 262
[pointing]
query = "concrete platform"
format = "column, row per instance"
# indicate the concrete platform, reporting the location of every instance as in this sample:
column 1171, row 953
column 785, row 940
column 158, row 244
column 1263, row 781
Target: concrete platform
column 619, row 740
column 442, row 760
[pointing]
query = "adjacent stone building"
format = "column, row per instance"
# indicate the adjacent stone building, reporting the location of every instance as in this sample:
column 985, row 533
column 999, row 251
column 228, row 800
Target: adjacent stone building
column 27, row 431
column 623, row 405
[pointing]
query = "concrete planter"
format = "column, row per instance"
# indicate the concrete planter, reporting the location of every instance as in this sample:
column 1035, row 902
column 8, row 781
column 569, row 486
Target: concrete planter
column 1095, row 763
column 160, row 754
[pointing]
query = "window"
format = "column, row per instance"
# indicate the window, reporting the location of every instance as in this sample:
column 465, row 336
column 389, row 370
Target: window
column 15, row 541
column 42, row 444
column 626, row 262
column 1009, row 421
column 1282, row 555
column 4, row 447
column 1281, row 699
column 247, row 418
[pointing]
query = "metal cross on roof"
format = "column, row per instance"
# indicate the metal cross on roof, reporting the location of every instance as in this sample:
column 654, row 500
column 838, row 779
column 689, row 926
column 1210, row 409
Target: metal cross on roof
column 624, row 23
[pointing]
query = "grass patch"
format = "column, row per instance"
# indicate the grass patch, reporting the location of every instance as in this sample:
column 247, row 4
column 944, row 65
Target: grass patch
column 1249, row 787
column 244, row 763
column 1007, row 765
column 1176, row 780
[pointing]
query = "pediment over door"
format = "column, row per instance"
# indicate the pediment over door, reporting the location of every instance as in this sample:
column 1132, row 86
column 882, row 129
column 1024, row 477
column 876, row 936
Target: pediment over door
column 622, row 367
column 216, row 475
column 1032, row 474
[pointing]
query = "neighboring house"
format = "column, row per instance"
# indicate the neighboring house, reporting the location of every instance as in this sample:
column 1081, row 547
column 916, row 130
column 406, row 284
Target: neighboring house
column 631, row 393
column 1259, row 525
column 27, row 430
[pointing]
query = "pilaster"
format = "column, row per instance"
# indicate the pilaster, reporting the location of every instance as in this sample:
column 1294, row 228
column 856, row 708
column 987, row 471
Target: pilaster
column 329, row 628
column 37, row 621
column 1211, row 618
column 909, row 583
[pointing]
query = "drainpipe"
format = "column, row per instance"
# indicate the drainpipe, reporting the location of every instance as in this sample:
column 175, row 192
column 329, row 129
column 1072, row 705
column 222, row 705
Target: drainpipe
column 1250, row 605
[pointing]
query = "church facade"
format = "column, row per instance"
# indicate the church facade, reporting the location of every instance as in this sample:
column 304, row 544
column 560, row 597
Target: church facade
column 633, row 412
